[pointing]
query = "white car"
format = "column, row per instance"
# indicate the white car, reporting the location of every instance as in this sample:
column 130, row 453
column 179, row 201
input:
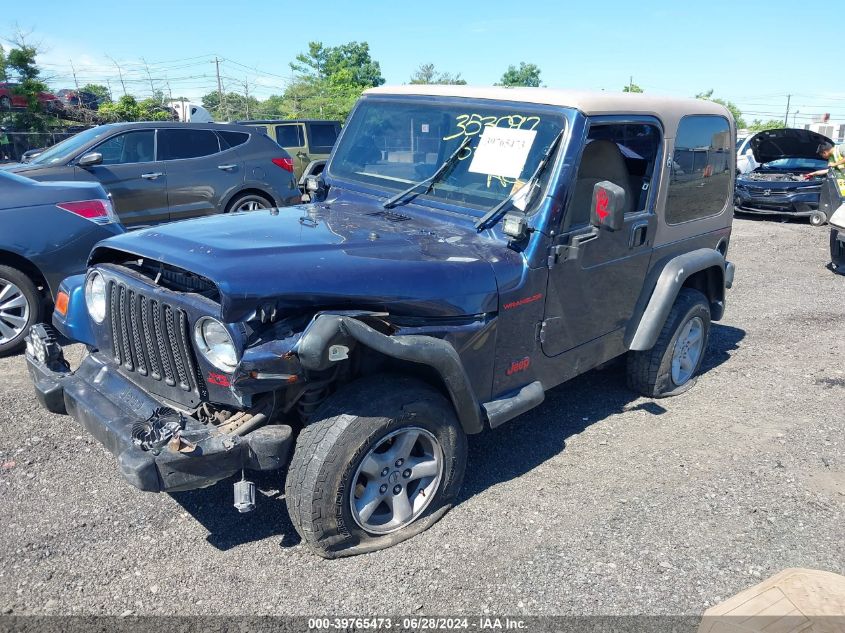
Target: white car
column 745, row 162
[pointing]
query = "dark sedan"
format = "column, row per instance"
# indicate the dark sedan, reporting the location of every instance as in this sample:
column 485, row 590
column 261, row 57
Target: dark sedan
column 778, row 185
column 48, row 231
column 163, row 171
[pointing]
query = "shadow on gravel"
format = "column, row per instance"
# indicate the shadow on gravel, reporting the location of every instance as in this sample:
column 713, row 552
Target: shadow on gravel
column 494, row 457
column 228, row 528
column 540, row 434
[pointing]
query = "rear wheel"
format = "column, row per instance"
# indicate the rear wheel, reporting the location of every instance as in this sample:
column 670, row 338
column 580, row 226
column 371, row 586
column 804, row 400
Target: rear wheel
column 384, row 460
column 249, row 202
column 818, row 218
column 20, row 307
column 5, row 103
column 670, row 367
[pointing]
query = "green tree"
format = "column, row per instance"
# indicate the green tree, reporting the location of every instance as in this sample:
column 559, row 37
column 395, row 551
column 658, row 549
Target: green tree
column 328, row 81
column 101, row 92
column 20, row 63
column 351, row 62
column 426, row 74
column 758, row 126
column 3, row 76
column 734, row 110
column 127, row 108
column 632, row 87
column 235, row 107
column 525, row 75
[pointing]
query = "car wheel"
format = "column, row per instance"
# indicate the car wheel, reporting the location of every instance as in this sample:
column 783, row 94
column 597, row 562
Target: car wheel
column 20, row 307
column 383, row 461
column 818, row 218
column 670, row 367
column 5, row 103
column 249, row 202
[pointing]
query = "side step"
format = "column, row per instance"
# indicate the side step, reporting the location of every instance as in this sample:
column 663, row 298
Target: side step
column 505, row 409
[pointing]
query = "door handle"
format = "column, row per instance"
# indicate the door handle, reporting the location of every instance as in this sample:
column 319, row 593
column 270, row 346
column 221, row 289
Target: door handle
column 227, row 167
column 152, row 175
column 639, row 233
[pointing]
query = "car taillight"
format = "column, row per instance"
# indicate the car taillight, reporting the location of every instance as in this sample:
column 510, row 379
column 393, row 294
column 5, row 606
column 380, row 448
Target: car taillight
column 284, row 163
column 99, row 211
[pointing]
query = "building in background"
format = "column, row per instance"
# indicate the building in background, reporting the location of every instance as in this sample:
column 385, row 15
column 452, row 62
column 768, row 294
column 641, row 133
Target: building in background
column 824, row 125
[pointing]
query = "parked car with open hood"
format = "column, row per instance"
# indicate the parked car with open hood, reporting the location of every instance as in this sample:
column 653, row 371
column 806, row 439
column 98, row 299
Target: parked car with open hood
column 467, row 249
column 777, row 185
column 48, row 231
column 164, row 171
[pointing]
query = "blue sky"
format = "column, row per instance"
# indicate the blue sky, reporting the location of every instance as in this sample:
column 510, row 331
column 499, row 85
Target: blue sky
column 753, row 52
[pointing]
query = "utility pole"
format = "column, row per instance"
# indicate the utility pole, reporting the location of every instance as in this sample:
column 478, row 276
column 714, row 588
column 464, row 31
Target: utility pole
column 246, row 92
column 795, row 116
column 119, row 74
column 631, row 84
column 108, row 85
column 150, row 77
column 786, row 118
column 219, row 84
column 75, row 80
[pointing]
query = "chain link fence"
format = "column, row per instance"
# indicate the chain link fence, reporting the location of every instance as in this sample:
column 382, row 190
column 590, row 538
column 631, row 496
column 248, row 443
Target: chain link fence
column 14, row 144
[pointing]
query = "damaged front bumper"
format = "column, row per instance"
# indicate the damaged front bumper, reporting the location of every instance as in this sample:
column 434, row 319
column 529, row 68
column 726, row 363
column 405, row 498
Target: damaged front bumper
column 109, row 405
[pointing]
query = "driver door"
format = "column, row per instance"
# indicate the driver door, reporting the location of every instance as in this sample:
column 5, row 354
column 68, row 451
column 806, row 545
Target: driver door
column 596, row 275
column 130, row 173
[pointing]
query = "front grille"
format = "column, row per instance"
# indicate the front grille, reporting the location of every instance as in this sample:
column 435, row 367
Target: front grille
column 761, row 191
column 150, row 337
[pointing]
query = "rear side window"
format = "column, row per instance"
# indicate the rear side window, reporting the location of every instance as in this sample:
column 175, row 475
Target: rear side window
column 289, row 135
column 174, row 144
column 700, row 182
column 323, row 136
column 233, row 139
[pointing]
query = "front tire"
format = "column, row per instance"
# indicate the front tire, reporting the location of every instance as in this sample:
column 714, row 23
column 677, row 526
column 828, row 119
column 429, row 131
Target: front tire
column 671, row 366
column 20, row 307
column 249, row 202
column 383, row 461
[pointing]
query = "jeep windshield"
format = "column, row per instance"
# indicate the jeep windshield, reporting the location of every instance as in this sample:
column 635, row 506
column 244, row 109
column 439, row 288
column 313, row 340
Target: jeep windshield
column 394, row 144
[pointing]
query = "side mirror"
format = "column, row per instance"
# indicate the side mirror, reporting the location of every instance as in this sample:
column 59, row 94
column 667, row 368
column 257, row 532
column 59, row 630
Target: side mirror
column 90, row 159
column 608, row 206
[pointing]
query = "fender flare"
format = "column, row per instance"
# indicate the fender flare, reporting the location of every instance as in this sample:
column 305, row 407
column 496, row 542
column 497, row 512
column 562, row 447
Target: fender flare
column 333, row 329
column 643, row 334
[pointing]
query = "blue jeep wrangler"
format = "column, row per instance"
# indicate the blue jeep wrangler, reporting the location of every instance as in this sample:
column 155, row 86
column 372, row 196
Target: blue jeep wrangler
column 465, row 250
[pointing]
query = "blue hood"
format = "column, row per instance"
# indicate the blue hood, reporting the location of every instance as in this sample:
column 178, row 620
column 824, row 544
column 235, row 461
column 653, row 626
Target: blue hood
column 328, row 255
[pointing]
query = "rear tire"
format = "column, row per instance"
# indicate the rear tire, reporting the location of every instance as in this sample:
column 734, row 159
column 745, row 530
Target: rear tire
column 20, row 307
column 5, row 103
column 383, row 461
column 249, row 202
column 818, row 218
column 671, row 366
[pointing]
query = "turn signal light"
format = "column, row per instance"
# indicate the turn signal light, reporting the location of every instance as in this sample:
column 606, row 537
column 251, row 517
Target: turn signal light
column 61, row 303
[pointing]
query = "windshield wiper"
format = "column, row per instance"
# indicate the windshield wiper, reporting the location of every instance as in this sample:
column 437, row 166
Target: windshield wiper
column 428, row 183
column 492, row 216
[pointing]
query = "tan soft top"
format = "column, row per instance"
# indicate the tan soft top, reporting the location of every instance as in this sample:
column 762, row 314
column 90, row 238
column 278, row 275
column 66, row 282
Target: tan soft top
column 669, row 109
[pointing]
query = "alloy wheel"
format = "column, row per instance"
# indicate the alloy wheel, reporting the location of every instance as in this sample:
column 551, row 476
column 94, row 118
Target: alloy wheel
column 14, row 311
column 687, row 351
column 396, row 481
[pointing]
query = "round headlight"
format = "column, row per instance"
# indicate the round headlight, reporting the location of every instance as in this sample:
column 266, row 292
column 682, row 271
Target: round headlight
column 215, row 344
column 95, row 296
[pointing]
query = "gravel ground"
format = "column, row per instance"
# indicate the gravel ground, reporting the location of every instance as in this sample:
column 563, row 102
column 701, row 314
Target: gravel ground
column 590, row 504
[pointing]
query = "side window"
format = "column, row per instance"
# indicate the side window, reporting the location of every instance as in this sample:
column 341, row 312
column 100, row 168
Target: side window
column 700, row 182
column 175, row 144
column 322, row 136
column 623, row 153
column 131, row 147
column 232, row 139
column 289, row 135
